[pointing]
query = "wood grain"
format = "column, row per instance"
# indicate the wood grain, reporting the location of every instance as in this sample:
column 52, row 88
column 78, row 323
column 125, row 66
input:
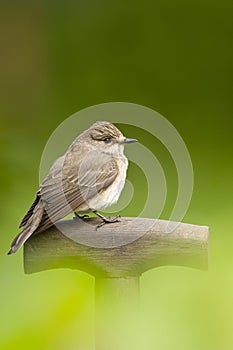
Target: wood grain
column 124, row 249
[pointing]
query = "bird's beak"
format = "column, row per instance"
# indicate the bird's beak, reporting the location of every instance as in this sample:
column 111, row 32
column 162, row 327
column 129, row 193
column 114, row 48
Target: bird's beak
column 126, row 140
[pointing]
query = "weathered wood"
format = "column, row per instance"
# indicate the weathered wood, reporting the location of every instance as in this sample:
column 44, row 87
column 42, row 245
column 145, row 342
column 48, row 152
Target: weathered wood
column 117, row 254
column 149, row 246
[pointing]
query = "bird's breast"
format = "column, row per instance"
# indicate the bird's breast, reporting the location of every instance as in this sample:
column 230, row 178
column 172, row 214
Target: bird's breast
column 111, row 194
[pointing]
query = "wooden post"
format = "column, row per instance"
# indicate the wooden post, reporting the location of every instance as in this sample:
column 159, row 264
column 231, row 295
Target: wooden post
column 117, row 305
column 116, row 255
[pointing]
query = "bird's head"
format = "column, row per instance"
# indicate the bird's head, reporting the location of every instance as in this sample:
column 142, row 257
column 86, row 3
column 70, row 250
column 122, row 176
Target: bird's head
column 107, row 138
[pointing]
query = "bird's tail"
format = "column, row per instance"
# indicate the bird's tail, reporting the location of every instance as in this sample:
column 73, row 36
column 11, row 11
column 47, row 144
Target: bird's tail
column 20, row 239
column 32, row 224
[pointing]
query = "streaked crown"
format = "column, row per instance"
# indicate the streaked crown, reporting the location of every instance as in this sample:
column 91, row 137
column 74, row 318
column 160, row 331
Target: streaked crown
column 102, row 130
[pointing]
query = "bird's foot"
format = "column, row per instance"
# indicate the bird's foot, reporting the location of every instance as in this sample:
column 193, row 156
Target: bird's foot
column 82, row 217
column 106, row 220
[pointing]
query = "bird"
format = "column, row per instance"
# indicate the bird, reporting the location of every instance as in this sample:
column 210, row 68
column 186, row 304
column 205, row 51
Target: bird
column 89, row 177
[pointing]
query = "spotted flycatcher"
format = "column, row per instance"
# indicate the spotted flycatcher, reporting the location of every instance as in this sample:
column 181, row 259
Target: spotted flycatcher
column 89, row 177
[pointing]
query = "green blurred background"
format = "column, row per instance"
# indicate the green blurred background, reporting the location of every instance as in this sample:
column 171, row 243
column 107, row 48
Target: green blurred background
column 176, row 57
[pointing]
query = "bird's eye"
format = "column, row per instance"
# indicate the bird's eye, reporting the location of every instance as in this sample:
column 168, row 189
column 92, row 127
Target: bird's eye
column 107, row 140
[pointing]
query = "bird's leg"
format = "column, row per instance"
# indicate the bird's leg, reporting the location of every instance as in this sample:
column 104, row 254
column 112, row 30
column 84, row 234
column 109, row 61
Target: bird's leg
column 82, row 217
column 107, row 220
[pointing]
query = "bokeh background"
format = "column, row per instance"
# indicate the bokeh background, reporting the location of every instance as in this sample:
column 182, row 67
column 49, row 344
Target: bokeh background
column 176, row 57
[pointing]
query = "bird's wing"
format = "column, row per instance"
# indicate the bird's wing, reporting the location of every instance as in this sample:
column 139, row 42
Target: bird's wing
column 75, row 185
column 30, row 212
column 53, row 177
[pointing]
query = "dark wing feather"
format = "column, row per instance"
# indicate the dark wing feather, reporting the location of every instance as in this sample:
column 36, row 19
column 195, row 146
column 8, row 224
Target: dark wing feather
column 52, row 178
column 30, row 212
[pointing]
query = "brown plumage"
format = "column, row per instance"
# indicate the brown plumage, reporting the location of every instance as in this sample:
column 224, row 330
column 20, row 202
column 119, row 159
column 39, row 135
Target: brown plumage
column 88, row 177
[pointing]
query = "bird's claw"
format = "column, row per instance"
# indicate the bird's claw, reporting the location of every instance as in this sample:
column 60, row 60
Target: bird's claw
column 108, row 220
